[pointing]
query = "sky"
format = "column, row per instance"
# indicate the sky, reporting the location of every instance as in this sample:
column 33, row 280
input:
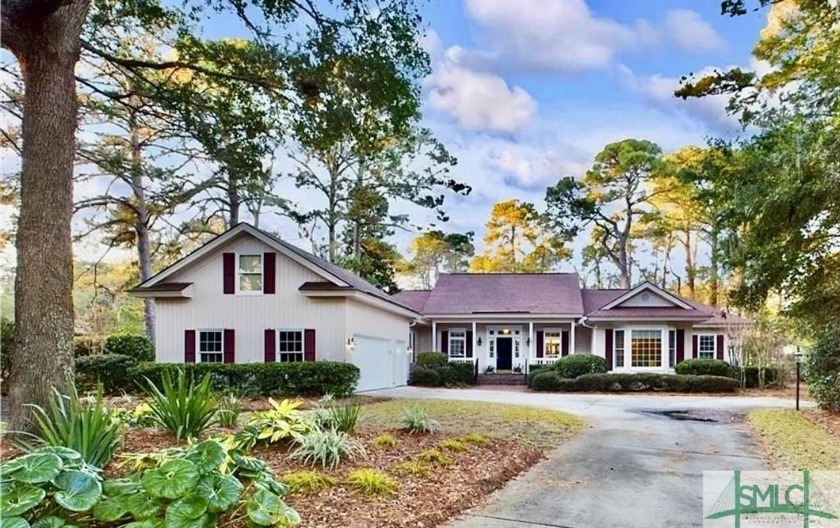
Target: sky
column 525, row 92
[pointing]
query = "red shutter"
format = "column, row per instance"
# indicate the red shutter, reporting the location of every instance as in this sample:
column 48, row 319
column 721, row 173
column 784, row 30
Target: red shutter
column 539, row 343
column 270, row 346
column 680, row 345
column 469, row 343
column 309, row 344
column 444, row 342
column 695, row 350
column 269, row 272
column 189, row 346
column 719, row 346
column 608, row 347
column 564, row 343
column 230, row 345
column 229, row 273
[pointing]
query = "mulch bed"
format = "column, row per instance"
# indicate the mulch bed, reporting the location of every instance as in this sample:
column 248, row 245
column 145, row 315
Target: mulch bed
column 830, row 421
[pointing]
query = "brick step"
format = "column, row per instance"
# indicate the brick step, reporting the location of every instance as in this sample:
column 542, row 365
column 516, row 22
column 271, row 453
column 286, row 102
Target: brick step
column 501, row 379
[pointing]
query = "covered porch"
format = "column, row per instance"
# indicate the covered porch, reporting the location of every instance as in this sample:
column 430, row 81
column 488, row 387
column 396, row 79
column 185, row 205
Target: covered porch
column 503, row 345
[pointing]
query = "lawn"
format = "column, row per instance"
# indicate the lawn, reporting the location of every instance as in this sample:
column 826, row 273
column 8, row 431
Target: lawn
column 798, row 440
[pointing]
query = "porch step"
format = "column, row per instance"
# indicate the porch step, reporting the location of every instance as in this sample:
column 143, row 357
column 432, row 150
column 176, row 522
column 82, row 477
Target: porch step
column 501, row 379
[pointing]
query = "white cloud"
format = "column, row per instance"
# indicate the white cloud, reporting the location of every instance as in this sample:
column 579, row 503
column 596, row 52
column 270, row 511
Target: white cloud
column 690, row 32
column 658, row 90
column 530, row 167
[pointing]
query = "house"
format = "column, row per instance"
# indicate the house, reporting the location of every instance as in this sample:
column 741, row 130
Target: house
column 509, row 322
column 247, row 297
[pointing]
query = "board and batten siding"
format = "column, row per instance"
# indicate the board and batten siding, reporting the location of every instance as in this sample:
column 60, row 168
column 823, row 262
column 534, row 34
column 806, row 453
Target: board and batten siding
column 248, row 315
column 368, row 321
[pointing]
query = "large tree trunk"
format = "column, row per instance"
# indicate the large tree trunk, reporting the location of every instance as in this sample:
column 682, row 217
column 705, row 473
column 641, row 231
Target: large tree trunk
column 44, row 37
column 141, row 228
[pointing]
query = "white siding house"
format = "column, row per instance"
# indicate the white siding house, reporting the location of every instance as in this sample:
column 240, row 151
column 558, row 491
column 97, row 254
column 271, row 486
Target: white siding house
column 248, row 297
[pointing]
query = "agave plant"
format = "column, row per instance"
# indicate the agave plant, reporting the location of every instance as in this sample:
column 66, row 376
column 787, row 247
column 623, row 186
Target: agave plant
column 86, row 427
column 182, row 406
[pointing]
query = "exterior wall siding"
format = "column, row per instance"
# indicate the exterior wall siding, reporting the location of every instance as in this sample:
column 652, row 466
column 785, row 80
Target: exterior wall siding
column 248, row 315
column 369, row 321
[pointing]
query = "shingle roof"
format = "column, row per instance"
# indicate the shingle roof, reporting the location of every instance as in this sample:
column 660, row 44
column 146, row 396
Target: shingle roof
column 594, row 299
column 415, row 299
column 469, row 293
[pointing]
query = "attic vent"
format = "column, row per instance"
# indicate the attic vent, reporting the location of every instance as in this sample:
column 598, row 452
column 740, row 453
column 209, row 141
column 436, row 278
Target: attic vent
column 645, row 296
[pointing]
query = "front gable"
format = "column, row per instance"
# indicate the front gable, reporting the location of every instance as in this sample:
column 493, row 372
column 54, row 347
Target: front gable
column 647, row 295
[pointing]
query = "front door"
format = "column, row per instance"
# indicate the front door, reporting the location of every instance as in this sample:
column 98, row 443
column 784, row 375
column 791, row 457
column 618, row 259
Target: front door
column 504, row 353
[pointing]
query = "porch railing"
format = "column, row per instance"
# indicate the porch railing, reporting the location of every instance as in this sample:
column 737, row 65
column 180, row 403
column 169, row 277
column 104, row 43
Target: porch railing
column 463, row 360
column 543, row 361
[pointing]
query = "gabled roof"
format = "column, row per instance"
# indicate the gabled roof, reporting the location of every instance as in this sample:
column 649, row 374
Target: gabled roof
column 607, row 305
column 653, row 288
column 413, row 298
column 498, row 293
column 335, row 275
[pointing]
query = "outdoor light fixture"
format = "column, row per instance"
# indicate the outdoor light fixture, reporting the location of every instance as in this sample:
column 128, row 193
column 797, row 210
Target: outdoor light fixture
column 798, row 357
column 528, row 341
column 351, row 343
column 506, row 331
column 409, row 351
column 479, row 341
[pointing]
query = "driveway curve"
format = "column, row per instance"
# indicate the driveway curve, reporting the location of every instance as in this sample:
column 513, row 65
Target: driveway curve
column 638, row 463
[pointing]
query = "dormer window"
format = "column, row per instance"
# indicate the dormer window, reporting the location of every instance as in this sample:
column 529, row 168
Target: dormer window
column 250, row 274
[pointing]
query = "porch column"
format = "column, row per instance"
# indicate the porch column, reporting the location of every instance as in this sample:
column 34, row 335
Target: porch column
column 530, row 343
column 434, row 337
column 474, row 339
column 572, row 338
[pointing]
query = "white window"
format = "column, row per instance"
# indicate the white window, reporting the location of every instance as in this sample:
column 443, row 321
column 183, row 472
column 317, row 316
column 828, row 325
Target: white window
column 250, row 274
column 672, row 348
column 706, row 346
column 552, row 343
column 211, row 348
column 289, row 345
column 646, row 348
column 618, row 348
column 457, row 343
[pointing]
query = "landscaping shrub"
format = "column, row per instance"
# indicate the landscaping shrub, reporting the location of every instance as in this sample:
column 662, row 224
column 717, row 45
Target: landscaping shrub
column 772, row 376
column 431, row 359
column 618, row 382
column 68, row 423
column 327, row 448
column 704, row 367
column 283, row 422
column 230, row 407
column 183, row 406
column 306, row 378
column 822, row 370
column 372, row 482
column 413, row 467
column 534, row 370
column 417, row 421
column 386, row 440
column 307, row 481
column 477, row 439
column 138, row 346
column 456, row 446
column 435, row 457
column 111, row 370
column 576, row 365
column 449, row 375
column 344, row 417
column 85, row 345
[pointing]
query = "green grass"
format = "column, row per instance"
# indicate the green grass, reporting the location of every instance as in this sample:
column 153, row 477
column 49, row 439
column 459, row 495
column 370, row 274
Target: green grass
column 794, row 442
column 456, row 446
column 539, row 427
column 477, row 439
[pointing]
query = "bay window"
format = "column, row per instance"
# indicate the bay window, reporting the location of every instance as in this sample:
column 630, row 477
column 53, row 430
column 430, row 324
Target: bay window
column 646, row 348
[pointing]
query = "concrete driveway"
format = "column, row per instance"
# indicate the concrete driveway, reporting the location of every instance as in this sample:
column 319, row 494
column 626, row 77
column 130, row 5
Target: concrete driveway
column 632, row 467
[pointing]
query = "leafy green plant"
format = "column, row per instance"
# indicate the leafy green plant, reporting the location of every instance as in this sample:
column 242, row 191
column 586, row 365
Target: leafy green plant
column 140, row 416
column 182, row 406
column 283, row 422
column 67, row 422
column 476, row 439
column 137, row 346
column 208, row 484
column 307, row 481
column 51, row 486
column 436, row 457
column 577, row 365
column 416, row 420
column 385, row 440
column 344, row 417
column 327, row 448
column 704, row 367
column 456, row 446
column 416, row 468
column 372, row 482
column 110, row 370
column 431, row 359
column 230, row 407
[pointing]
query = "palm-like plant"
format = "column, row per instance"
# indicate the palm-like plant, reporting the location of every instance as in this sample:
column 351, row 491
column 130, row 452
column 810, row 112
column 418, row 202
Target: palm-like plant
column 88, row 428
column 182, row 406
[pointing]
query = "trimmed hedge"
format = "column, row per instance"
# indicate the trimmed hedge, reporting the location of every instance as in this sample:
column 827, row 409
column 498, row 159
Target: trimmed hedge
column 138, row 346
column 432, row 359
column 704, row 367
column 306, row 378
column 111, row 370
column 577, row 365
column 551, row 382
column 450, row 375
column 534, row 370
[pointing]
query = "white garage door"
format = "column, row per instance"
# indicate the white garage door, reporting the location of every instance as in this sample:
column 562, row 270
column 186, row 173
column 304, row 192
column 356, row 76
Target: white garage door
column 375, row 361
